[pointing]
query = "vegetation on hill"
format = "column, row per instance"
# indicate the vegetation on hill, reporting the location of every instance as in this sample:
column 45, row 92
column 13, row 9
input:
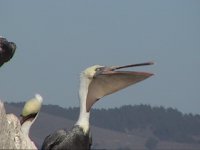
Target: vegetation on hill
column 165, row 123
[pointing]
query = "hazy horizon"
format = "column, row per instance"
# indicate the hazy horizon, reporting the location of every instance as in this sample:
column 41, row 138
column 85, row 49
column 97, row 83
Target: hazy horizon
column 57, row 40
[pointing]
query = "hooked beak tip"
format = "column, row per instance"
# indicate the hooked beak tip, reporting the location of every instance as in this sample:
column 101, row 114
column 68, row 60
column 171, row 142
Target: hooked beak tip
column 151, row 63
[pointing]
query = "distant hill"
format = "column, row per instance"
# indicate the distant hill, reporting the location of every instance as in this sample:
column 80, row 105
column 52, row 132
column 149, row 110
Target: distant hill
column 127, row 127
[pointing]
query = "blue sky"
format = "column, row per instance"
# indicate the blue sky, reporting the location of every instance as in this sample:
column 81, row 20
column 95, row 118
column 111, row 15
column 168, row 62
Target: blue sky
column 56, row 40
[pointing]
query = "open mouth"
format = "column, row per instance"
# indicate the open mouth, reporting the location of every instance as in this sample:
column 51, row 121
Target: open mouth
column 108, row 80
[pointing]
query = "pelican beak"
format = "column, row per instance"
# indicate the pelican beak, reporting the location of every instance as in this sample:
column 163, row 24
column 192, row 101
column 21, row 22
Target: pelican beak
column 108, row 80
column 30, row 118
column 113, row 69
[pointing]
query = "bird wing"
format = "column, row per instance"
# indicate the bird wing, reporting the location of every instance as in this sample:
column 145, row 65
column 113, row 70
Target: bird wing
column 52, row 140
column 111, row 82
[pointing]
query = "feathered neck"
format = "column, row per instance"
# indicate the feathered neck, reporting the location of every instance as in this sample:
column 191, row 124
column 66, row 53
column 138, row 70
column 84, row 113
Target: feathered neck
column 84, row 116
column 26, row 127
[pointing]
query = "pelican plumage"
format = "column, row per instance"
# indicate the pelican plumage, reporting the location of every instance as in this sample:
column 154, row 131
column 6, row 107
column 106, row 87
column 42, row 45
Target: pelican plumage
column 95, row 82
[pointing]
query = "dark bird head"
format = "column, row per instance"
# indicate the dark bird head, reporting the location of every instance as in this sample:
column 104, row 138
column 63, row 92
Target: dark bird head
column 7, row 50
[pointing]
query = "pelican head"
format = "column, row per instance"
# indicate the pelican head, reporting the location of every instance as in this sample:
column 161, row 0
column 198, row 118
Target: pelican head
column 30, row 112
column 107, row 80
column 91, row 71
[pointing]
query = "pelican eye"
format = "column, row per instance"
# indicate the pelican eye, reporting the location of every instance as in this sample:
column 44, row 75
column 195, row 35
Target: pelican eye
column 97, row 69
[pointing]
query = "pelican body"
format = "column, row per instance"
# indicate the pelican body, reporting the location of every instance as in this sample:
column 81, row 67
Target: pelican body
column 95, row 82
column 75, row 139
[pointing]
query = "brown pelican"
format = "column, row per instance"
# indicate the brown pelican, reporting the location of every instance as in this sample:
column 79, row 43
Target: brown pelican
column 7, row 50
column 95, row 82
column 29, row 113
